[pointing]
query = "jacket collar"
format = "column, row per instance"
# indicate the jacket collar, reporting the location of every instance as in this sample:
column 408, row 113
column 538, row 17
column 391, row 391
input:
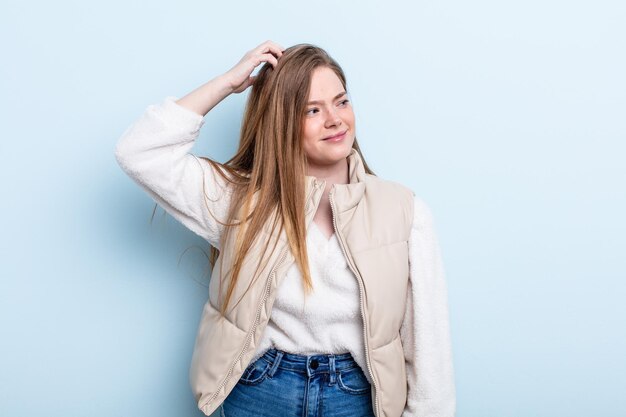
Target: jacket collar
column 346, row 196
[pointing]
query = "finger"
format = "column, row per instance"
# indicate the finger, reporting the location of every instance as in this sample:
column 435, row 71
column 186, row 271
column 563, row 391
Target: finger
column 267, row 58
column 272, row 60
column 264, row 47
column 278, row 48
column 271, row 47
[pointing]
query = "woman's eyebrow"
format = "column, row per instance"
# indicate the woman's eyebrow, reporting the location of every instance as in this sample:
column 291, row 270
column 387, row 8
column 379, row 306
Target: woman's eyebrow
column 320, row 102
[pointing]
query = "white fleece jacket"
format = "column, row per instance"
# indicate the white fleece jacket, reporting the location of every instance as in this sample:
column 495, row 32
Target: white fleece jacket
column 155, row 152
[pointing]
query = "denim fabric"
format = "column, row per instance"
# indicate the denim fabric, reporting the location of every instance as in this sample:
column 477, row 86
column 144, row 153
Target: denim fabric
column 289, row 385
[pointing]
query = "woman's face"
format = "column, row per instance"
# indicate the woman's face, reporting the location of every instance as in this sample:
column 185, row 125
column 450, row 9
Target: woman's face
column 328, row 113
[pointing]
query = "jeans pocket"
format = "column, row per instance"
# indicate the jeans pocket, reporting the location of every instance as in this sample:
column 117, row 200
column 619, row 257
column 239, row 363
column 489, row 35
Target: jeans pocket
column 255, row 373
column 353, row 381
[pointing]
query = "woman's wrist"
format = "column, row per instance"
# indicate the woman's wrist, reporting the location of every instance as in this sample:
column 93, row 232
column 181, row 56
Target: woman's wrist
column 208, row 95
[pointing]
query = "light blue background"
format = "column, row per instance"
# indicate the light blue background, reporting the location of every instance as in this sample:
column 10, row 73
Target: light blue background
column 507, row 118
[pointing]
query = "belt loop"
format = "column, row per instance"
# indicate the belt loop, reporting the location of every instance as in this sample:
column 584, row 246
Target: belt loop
column 331, row 365
column 277, row 359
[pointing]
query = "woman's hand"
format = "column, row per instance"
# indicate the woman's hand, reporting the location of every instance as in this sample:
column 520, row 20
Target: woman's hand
column 239, row 76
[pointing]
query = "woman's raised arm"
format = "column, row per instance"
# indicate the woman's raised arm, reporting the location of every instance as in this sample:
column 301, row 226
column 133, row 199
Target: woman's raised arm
column 155, row 150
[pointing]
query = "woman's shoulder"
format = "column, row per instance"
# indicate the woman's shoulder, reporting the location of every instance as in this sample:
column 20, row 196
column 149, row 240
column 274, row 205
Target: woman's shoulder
column 422, row 212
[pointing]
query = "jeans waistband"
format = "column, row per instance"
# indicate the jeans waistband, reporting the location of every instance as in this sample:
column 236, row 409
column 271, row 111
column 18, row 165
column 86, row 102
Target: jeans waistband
column 309, row 364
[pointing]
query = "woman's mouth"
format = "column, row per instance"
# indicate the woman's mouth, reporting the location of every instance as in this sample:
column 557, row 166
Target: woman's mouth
column 337, row 137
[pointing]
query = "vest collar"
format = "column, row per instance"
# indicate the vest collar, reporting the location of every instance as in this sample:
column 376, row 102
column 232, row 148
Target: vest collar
column 346, row 196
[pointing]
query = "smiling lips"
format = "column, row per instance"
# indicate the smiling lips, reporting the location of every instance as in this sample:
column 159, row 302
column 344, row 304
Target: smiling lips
column 336, row 137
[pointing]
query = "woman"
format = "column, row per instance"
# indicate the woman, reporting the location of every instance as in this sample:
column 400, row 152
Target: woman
column 327, row 295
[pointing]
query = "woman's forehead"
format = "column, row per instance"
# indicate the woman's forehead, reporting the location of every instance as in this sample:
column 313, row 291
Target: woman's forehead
column 325, row 85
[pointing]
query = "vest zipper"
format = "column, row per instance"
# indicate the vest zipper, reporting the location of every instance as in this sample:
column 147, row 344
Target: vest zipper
column 254, row 325
column 360, row 281
column 256, row 319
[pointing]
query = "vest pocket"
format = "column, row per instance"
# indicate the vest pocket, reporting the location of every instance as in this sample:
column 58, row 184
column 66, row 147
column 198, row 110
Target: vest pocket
column 388, row 361
column 218, row 342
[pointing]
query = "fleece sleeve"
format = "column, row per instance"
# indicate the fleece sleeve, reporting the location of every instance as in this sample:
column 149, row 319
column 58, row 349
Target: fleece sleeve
column 425, row 332
column 155, row 152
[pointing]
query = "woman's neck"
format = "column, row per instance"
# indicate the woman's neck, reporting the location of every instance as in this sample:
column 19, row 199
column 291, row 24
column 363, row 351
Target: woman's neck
column 332, row 174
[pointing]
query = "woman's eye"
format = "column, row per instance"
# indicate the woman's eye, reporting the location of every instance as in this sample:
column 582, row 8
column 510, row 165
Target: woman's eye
column 343, row 103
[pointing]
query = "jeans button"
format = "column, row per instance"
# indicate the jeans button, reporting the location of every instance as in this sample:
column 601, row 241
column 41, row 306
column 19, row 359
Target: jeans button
column 314, row 364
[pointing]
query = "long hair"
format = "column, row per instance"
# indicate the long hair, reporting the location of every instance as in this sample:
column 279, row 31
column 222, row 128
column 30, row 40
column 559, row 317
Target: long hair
column 267, row 173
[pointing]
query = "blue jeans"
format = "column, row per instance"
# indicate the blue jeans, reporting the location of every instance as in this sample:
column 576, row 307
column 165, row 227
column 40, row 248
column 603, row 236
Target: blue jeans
column 281, row 384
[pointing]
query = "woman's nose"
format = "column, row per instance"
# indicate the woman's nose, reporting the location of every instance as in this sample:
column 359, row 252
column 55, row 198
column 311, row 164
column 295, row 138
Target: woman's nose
column 333, row 119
